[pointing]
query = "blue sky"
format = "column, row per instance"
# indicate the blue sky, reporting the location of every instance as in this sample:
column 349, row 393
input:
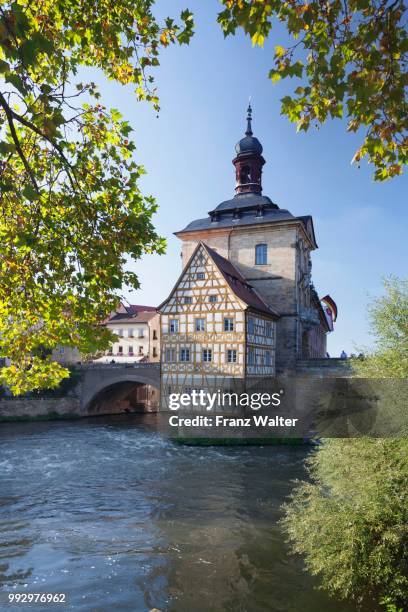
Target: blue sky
column 361, row 226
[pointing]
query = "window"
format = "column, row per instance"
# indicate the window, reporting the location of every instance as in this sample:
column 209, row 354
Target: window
column 130, row 333
column 185, row 354
column 130, row 350
column 154, row 351
column 141, row 333
column 244, row 175
column 120, row 350
column 110, row 352
column 212, row 298
column 140, row 350
column 207, row 354
column 260, row 254
column 268, row 358
column 232, row 356
column 268, row 329
column 228, row 324
column 154, row 334
column 170, row 355
column 120, row 333
column 174, row 326
column 251, row 356
column 251, row 326
column 200, row 276
column 188, row 299
column 200, row 325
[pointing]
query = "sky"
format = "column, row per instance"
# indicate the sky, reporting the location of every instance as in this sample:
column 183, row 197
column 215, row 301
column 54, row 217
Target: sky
column 361, row 226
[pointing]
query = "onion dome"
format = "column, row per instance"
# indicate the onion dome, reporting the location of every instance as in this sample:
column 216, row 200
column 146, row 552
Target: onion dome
column 249, row 145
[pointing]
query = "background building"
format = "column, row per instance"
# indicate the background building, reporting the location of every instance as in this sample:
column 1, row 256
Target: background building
column 138, row 334
column 138, row 338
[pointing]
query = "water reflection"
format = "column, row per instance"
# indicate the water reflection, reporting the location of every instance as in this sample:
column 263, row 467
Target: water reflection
column 115, row 515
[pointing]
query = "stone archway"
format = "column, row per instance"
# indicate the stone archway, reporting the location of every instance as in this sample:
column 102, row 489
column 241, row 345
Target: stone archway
column 127, row 387
column 127, row 396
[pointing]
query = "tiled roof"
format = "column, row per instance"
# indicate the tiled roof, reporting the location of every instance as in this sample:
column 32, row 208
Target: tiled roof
column 138, row 308
column 245, row 218
column 141, row 317
column 247, row 210
column 133, row 313
column 242, row 289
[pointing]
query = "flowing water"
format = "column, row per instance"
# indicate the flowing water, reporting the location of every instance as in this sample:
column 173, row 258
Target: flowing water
column 117, row 517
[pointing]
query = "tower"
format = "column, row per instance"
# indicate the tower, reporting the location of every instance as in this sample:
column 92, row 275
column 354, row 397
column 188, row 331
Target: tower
column 271, row 249
column 248, row 162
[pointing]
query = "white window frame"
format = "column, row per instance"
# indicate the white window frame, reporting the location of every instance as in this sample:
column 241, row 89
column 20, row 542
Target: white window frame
column 207, row 355
column 170, row 355
column 184, row 354
column 228, row 324
column 233, row 354
column 200, row 327
column 173, row 323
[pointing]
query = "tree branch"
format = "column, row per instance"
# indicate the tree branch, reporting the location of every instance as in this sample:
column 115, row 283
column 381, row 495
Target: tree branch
column 9, row 115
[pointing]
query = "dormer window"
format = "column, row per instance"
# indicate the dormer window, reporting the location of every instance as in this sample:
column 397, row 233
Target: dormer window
column 261, row 251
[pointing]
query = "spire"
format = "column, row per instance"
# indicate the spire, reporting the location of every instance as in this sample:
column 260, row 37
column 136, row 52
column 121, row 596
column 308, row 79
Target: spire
column 249, row 161
column 249, row 120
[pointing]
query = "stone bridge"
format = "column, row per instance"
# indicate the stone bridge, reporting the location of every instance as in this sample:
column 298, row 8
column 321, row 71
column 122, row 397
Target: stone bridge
column 98, row 377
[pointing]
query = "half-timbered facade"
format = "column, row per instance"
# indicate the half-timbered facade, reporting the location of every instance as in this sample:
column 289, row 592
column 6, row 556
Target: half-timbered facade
column 214, row 326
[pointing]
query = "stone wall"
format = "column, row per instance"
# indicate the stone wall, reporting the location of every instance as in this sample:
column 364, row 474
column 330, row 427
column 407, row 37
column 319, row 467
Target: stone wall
column 29, row 408
column 323, row 368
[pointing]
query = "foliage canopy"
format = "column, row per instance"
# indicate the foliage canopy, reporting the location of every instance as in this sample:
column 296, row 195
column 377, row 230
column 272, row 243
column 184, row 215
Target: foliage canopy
column 351, row 56
column 71, row 209
column 351, row 520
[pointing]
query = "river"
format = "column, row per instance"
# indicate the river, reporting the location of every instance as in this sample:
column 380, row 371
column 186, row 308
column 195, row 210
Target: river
column 117, row 517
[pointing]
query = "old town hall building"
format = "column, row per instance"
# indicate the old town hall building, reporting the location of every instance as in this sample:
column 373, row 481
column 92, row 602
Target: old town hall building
column 244, row 304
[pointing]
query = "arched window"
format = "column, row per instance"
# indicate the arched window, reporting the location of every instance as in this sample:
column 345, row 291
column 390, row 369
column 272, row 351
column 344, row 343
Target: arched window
column 244, row 175
column 261, row 251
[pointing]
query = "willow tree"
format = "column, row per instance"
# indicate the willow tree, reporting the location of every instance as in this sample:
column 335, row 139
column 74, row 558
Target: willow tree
column 350, row 60
column 70, row 206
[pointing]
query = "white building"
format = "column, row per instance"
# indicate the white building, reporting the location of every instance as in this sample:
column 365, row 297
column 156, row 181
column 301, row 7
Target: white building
column 138, row 338
column 137, row 329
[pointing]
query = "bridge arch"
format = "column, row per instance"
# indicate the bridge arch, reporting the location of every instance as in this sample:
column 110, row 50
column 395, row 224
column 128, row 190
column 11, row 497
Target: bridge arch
column 98, row 379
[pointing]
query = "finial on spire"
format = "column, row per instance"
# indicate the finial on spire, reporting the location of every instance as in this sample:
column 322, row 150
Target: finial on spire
column 249, row 120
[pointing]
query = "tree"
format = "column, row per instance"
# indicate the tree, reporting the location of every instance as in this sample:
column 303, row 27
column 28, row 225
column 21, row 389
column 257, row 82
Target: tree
column 351, row 56
column 71, row 209
column 350, row 521
column 389, row 324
